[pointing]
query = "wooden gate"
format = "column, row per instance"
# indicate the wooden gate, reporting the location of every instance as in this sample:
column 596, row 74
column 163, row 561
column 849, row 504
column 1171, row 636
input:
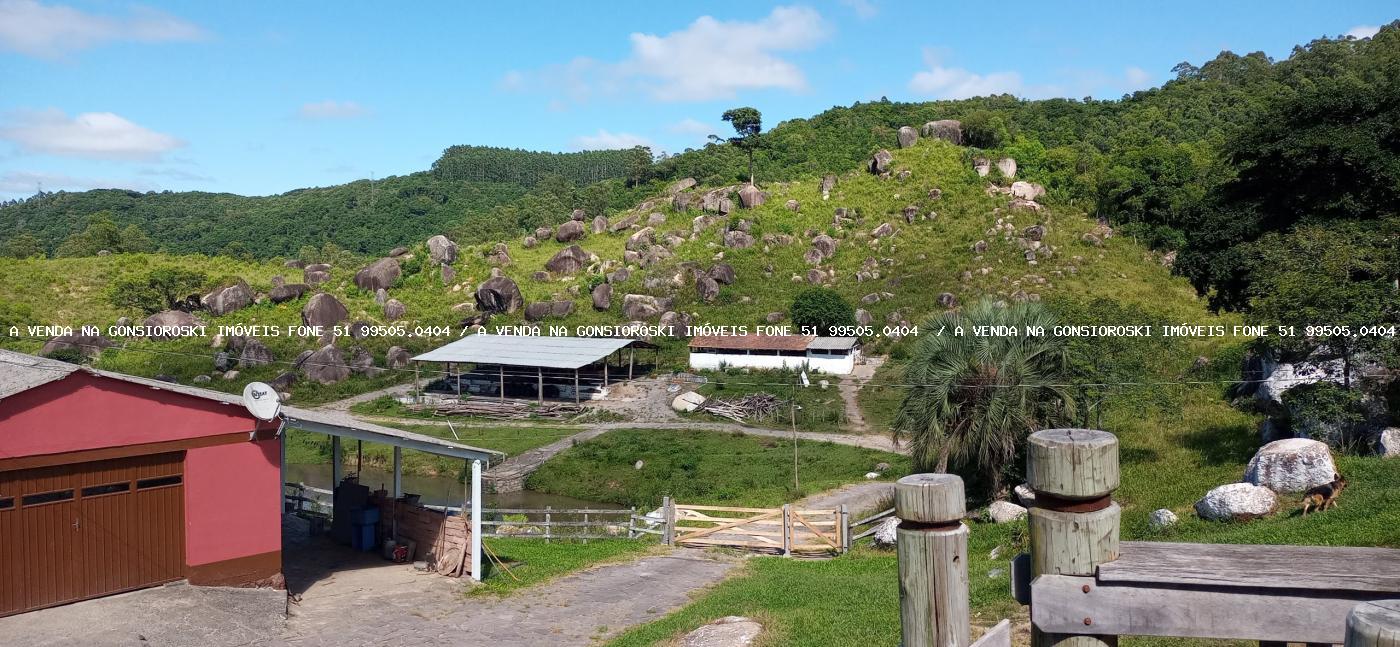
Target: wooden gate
column 781, row 531
column 70, row 532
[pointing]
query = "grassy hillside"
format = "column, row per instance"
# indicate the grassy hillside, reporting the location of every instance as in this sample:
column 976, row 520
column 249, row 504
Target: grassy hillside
column 915, row 264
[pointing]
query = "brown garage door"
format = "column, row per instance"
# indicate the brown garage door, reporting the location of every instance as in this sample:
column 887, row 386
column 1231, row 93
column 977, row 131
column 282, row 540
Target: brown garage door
column 70, row 532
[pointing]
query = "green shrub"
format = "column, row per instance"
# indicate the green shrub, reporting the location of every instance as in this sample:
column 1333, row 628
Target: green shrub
column 1324, row 411
column 822, row 308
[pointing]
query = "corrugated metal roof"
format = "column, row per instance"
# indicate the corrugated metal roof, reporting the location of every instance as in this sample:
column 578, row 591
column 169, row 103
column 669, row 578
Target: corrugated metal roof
column 20, row 372
column 524, row 350
column 832, row 343
column 752, row 342
column 340, row 423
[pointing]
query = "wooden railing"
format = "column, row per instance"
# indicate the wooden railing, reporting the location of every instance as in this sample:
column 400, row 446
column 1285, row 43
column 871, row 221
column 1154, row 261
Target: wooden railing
column 550, row 523
column 1085, row 587
column 782, row 531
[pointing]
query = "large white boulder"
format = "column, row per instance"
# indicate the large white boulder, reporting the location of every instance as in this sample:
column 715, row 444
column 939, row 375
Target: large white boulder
column 1388, row 445
column 1291, row 465
column 1279, row 378
column 1005, row 512
column 729, row 631
column 1236, row 502
column 688, row 401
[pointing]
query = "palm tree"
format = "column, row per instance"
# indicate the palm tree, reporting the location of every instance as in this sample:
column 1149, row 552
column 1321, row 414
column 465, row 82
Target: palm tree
column 975, row 397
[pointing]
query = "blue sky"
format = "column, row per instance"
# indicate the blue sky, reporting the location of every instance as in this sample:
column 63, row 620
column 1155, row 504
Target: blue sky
column 265, row 97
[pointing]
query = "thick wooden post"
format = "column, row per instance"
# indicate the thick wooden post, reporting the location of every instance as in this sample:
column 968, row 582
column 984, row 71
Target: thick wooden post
column 547, row 514
column 1074, row 525
column 502, row 393
column 539, row 388
column 576, row 393
column 843, row 528
column 932, row 549
column 631, row 361
column 787, row 530
column 475, row 519
column 1374, row 624
column 668, row 521
column 398, row 471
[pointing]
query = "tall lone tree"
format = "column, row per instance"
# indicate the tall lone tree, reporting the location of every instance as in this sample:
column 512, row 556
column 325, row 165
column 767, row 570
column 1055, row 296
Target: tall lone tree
column 748, row 128
column 973, row 399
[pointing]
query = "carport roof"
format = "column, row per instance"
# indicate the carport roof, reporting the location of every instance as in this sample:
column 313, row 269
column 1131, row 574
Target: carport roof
column 524, row 350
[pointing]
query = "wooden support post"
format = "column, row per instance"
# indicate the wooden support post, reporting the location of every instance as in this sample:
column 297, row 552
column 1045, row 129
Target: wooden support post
column 539, row 388
column 1374, row 624
column 605, row 371
column 476, row 519
column 337, row 459
column 359, row 456
column 585, row 527
column 502, row 392
column 787, row 530
column 1074, row 526
column 398, row 471
column 456, row 378
column 843, row 528
column 576, row 395
column 631, row 361
column 417, row 392
column 932, row 551
column 547, row 528
column 668, row 521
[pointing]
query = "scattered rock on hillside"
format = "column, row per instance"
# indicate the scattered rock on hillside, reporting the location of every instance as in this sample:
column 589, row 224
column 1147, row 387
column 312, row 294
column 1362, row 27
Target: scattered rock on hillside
column 738, row 240
column 602, row 296
column 949, row 130
column 362, row 363
column 578, row 215
column 441, row 250
column 394, row 310
column 791, row 205
column 815, row 276
column 398, row 251
column 569, row 231
column 724, row 273
column 774, row 317
column 681, row 185
column 982, row 165
column 359, row 329
column 885, row 229
column 641, row 239
column 315, row 277
column 813, row 257
column 499, row 256
column 397, row 357
column 544, row 233
column 540, row 310
column 569, row 260
column 325, row 366
column 499, row 294
column 880, row 162
column 1027, row 190
column 1005, row 512
column 706, row 288
column 907, row 136
column 447, row 275
column 824, row 244
column 828, row 183
column 627, row 222
column 1019, row 204
column 620, row 276
column 89, row 345
column 1291, row 465
column 640, row 307
column 323, row 310
column 656, row 219
column 255, row 353
column 287, row 292
column 1034, row 232
column 1237, row 502
column 947, row 300
column 228, row 298
column 529, row 243
column 1007, row 166
column 750, row 196
column 910, row 213
column 600, row 224
column 170, row 319
column 681, row 201
column 863, row 317
column 379, row 274
column 1161, row 518
column 729, row 631
column 295, row 264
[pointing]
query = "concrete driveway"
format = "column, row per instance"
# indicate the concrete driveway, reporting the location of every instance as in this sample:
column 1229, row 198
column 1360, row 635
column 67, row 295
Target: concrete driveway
column 167, row 616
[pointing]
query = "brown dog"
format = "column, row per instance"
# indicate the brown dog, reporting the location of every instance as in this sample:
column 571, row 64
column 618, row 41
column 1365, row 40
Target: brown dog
column 1323, row 497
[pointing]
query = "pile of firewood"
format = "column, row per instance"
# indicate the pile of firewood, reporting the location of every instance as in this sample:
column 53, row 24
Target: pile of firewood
column 753, row 405
column 498, row 410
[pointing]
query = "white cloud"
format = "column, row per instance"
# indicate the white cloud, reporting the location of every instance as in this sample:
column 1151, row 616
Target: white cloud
column 1137, row 78
column 709, row 59
column 941, row 82
column 690, row 126
column 603, row 140
column 331, row 109
column 175, row 174
column 50, row 31
column 25, row 183
column 97, row 135
column 1363, row 31
column 865, row 9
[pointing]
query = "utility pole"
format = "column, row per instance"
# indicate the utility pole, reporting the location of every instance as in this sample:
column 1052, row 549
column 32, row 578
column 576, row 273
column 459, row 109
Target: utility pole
column 793, row 417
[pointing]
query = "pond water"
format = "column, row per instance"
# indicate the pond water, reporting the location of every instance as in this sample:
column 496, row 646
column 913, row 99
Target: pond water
column 438, row 490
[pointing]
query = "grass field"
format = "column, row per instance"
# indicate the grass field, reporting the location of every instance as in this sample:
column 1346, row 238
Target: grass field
column 531, row 561
column 703, row 467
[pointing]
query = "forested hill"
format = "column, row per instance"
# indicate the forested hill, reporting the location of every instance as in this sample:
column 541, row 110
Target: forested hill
column 359, row 216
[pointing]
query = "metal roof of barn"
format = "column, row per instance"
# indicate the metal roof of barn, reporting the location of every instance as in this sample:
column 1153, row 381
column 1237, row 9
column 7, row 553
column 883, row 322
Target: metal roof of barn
column 524, row 350
column 752, row 342
column 832, row 343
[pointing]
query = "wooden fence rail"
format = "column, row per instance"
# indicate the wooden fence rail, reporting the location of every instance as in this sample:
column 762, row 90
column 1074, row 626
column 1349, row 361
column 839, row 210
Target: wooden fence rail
column 1085, row 587
column 550, row 523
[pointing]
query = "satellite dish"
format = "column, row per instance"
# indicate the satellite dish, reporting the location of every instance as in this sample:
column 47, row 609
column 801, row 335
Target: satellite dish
column 261, row 400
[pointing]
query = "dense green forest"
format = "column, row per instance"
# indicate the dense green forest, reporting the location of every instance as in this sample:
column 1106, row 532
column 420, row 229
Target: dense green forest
column 1223, row 165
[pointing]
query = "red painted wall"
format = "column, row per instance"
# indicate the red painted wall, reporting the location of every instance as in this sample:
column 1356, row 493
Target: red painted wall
column 232, row 491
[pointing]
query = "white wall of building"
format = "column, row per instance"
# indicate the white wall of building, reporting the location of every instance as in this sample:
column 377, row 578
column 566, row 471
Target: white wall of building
column 830, row 364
